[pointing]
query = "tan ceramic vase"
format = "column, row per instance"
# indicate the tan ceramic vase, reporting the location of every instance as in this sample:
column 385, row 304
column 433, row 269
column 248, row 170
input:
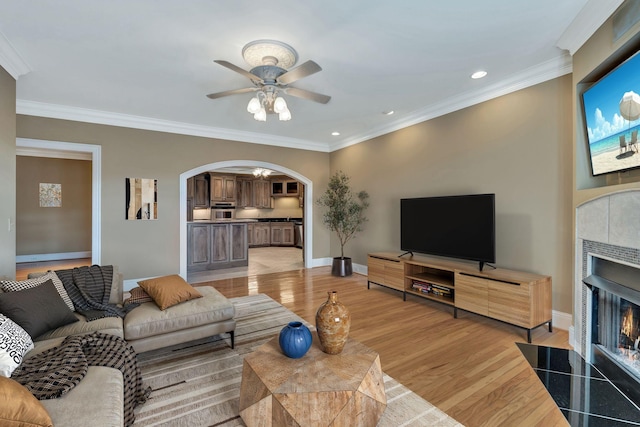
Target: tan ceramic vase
column 332, row 322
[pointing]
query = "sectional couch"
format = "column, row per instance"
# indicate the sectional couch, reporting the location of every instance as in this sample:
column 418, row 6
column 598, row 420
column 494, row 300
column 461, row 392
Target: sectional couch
column 98, row 399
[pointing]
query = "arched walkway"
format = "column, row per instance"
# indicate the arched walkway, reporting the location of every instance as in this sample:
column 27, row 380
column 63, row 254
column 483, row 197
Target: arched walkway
column 308, row 200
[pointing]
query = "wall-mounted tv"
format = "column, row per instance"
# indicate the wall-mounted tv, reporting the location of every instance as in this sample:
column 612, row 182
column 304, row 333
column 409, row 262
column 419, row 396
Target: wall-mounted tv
column 611, row 108
column 451, row 226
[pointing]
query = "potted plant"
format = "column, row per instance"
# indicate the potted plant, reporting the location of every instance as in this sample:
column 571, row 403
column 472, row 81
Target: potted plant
column 344, row 214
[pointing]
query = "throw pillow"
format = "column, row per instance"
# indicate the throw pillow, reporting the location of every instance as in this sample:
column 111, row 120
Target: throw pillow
column 20, row 407
column 168, row 291
column 15, row 342
column 138, row 296
column 12, row 286
column 37, row 310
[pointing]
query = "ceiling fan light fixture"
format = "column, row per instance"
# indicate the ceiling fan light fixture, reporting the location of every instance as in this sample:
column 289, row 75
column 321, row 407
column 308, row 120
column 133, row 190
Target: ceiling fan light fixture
column 254, row 105
column 261, row 115
column 271, row 52
column 284, row 115
column 280, row 105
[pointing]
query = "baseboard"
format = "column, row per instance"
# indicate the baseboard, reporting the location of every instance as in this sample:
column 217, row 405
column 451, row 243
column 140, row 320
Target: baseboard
column 562, row 320
column 52, row 257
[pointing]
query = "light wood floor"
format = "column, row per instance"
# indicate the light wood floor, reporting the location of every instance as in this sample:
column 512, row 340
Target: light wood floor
column 23, row 269
column 469, row 367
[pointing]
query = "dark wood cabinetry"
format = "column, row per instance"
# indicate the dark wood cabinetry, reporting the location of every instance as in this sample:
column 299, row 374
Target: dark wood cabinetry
column 262, row 194
column 244, row 193
column 216, row 245
column 201, row 191
column 261, row 234
column 223, row 188
column 282, row 234
column 284, row 188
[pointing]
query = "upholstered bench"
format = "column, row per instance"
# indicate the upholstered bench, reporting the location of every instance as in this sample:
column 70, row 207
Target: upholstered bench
column 147, row 327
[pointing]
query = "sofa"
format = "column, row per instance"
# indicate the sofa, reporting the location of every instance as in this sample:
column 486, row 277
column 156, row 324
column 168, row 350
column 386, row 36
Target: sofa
column 98, row 399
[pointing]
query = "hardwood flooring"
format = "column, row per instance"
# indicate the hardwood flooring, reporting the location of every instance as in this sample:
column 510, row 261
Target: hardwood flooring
column 469, row 367
column 23, row 269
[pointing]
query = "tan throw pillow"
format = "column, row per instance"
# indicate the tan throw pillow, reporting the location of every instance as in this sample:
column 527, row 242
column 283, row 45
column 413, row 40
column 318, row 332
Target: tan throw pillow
column 20, row 407
column 167, row 291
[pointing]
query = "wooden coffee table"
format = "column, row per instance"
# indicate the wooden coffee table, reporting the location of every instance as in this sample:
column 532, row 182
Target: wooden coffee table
column 318, row 389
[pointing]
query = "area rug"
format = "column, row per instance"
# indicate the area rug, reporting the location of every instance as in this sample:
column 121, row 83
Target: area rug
column 198, row 384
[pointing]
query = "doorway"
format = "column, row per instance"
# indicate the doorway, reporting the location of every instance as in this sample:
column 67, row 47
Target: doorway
column 307, row 208
column 68, row 150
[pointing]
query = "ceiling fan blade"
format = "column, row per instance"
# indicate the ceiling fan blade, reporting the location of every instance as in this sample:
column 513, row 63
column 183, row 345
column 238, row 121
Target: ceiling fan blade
column 239, row 70
column 297, row 73
column 312, row 96
column 231, row 92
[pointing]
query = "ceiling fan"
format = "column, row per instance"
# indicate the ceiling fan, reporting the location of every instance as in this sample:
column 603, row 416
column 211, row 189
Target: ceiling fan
column 271, row 75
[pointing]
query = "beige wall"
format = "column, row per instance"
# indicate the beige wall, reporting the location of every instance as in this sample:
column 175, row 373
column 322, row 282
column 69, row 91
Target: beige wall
column 46, row 230
column 150, row 248
column 7, row 175
column 517, row 146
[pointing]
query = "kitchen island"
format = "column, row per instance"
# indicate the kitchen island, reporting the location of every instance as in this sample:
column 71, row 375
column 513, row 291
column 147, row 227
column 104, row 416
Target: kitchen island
column 217, row 244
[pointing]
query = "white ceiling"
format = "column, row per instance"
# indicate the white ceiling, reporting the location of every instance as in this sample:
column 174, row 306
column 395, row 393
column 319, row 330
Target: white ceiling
column 149, row 63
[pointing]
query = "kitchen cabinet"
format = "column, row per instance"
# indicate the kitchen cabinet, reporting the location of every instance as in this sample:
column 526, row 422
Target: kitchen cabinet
column 250, row 232
column 212, row 246
column 261, row 234
column 284, row 188
column 222, row 188
column 198, row 246
column 201, row 191
column 244, row 193
column 262, row 194
column 282, row 234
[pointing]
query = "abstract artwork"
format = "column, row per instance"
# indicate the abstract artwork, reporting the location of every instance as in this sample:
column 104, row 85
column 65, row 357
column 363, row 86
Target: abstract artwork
column 50, row 195
column 141, row 198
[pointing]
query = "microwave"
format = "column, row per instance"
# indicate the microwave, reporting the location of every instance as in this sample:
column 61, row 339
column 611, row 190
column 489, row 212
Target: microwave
column 223, row 211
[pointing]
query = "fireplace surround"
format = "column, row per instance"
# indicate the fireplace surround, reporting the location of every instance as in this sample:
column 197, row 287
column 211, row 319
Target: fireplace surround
column 607, row 287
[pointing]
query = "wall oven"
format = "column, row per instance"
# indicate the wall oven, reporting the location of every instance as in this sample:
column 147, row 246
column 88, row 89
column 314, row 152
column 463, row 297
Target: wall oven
column 223, row 210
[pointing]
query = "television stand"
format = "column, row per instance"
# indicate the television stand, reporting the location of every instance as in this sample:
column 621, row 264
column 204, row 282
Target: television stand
column 514, row 297
column 404, row 253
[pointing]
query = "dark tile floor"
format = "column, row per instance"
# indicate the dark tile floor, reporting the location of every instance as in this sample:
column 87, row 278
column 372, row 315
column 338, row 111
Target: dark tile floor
column 583, row 394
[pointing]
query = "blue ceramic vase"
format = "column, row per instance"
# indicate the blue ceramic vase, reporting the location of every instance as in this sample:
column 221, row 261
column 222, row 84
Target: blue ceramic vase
column 295, row 340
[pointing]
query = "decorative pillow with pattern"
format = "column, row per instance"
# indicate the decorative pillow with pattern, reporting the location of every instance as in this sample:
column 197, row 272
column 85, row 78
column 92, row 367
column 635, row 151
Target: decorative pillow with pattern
column 12, row 286
column 138, row 296
column 15, row 342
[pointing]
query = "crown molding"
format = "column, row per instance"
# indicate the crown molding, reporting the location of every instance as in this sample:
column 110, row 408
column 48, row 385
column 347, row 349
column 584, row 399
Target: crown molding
column 586, row 23
column 11, row 60
column 54, row 111
column 540, row 73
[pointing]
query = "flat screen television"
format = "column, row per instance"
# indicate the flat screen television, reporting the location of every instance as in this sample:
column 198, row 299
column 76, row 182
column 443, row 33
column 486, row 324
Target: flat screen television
column 460, row 227
column 611, row 108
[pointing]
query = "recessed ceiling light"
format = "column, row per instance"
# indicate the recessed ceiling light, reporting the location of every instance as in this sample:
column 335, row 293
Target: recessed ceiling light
column 335, row 133
column 478, row 74
column 388, row 113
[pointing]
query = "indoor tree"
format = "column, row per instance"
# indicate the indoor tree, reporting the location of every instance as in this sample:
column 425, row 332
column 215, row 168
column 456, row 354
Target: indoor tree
column 344, row 210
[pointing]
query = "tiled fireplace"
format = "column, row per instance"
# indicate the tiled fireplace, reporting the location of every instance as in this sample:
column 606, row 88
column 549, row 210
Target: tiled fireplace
column 607, row 286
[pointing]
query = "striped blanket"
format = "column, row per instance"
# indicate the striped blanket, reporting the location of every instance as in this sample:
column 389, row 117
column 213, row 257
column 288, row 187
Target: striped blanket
column 89, row 289
column 55, row 372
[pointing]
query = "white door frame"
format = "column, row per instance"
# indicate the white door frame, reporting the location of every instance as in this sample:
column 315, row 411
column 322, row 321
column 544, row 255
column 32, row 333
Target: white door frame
column 308, row 198
column 71, row 150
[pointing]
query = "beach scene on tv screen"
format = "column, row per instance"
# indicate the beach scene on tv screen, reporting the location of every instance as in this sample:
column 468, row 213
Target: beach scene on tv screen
column 612, row 115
